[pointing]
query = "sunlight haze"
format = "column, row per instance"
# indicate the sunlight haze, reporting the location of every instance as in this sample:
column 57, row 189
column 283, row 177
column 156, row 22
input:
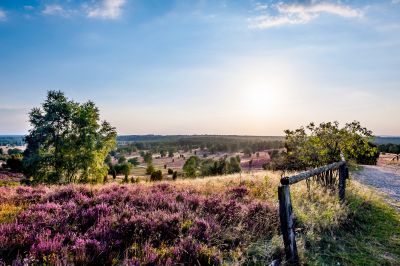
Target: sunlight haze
column 204, row 67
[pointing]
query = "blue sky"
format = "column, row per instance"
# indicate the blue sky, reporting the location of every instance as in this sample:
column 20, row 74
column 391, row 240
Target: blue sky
column 214, row 67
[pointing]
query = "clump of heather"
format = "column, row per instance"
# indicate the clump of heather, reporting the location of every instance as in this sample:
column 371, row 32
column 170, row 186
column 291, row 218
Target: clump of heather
column 131, row 225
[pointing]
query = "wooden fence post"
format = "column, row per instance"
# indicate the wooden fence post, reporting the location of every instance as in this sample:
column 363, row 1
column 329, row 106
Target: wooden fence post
column 287, row 224
column 343, row 175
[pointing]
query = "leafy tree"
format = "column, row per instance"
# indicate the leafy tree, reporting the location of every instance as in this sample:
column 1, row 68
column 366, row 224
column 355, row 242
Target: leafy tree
column 150, row 169
column 14, row 151
column 234, row 165
column 134, row 161
column 171, row 153
column 191, row 166
column 170, row 171
column 175, row 175
column 147, row 157
column 163, row 153
column 121, row 159
column 14, row 163
column 67, row 141
column 126, row 170
column 156, row 176
column 315, row 146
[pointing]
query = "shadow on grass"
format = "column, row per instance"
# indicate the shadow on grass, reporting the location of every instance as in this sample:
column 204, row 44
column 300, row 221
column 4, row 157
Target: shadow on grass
column 370, row 236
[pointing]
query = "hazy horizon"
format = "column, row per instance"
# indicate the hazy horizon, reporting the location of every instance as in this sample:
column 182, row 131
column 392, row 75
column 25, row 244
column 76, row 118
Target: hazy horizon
column 204, row 67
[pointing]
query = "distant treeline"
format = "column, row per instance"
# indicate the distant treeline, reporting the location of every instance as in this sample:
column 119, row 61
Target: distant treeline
column 386, row 140
column 389, row 148
column 213, row 143
column 13, row 140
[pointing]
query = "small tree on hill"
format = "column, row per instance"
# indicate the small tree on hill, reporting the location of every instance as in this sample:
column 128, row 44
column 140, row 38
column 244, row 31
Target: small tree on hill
column 67, row 141
column 191, row 166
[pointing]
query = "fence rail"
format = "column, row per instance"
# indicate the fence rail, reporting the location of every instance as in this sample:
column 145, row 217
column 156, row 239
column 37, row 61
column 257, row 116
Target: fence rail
column 285, row 203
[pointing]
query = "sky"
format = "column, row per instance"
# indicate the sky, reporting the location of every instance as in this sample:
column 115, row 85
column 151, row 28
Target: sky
column 244, row 67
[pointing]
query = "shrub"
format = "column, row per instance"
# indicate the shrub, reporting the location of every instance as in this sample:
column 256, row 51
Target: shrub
column 156, row 176
column 175, row 175
column 170, row 171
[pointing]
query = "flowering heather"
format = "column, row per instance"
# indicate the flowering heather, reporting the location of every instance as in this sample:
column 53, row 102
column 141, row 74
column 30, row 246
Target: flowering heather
column 158, row 224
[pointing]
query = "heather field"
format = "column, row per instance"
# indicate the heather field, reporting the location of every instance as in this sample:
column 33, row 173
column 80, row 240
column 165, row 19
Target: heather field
column 226, row 220
column 201, row 223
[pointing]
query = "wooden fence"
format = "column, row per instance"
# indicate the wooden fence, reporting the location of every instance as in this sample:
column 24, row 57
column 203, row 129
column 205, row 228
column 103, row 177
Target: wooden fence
column 285, row 203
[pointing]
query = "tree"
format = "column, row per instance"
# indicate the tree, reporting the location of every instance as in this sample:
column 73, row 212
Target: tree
column 147, row 157
column 315, row 146
column 121, row 159
column 191, row 166
column 150, row 169
column 67, row 141
column 156, row 176
column 126, row 170
column 134, row 161
column 170, row 153
column 163, row 153
column 14, row 163
column 14, row 151
column 1, row 151
column 234, row 165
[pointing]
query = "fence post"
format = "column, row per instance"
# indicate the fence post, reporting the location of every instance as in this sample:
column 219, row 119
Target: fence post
column 287, row 224
column 343, row 175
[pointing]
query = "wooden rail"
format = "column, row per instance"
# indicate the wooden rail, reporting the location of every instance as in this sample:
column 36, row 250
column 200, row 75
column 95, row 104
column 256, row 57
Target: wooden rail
column 285, row 203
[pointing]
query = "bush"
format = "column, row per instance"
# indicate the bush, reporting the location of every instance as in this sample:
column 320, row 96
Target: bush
column 14, row 163
column 150, row 169
column 170, row 171
column 175, row 175
column 156, row 176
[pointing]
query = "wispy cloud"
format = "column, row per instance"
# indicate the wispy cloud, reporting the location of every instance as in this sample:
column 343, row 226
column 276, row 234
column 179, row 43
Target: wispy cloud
column 286, row 14
column 54, row 10
column 29, row 7
column 3, row 15
column 107, row 9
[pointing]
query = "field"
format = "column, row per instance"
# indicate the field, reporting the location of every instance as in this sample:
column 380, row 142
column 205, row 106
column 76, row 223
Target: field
column 204, row 221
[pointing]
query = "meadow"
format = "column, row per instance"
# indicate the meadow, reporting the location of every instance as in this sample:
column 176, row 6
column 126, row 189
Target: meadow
column 225, row 220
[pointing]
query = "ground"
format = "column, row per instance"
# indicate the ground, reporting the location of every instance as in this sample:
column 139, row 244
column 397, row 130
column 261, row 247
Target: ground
column 385, row 177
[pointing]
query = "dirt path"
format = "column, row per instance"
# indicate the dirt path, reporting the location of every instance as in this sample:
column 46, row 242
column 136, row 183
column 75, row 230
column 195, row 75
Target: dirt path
column 385, row 179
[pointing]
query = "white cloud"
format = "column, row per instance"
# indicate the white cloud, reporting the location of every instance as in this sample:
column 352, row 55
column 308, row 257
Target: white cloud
column 301, row 13
column 107, row 9
column 3, row 15
column 54, row 10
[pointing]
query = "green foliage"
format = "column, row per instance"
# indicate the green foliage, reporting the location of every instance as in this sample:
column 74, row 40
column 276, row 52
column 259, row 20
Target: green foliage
column 191, row 166
column 14, row 151
column 67, row 142
column 163, row 153
column 174, row 175
column 170, row 153
column 170, row 171
column 156, row 176
column 147, row 157
column 121, row 159
column 134, row 161
column 14, row 163
column 314, row 146
column 210, row 167
column 389, row 148
column 150, row 169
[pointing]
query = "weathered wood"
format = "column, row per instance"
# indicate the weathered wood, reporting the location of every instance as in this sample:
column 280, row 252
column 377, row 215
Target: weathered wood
column 287, row 224
column 343, row 175
column 297, row 178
